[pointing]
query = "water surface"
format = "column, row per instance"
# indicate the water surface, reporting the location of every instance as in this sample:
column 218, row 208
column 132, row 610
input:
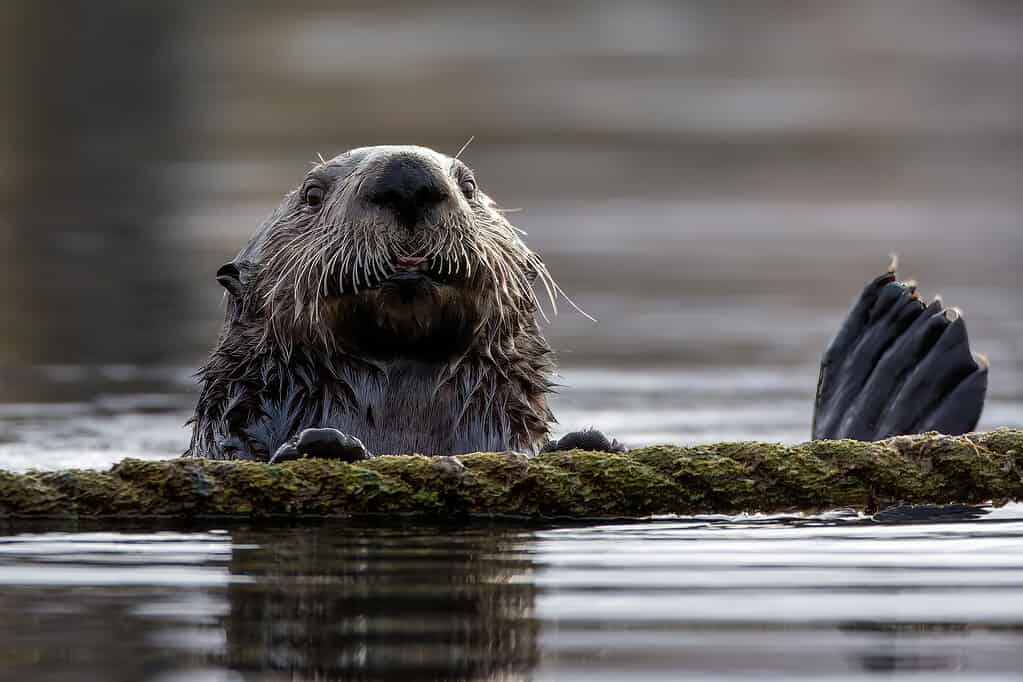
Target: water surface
column 831, row 597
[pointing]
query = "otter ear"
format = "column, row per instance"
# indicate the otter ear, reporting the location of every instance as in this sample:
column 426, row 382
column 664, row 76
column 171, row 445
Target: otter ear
column 230, row 278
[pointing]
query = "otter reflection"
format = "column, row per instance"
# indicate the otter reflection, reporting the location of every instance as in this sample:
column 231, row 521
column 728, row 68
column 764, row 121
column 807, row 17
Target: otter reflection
column 347, row 602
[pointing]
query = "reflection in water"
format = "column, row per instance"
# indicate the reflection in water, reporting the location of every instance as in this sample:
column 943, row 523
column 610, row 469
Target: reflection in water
column 382, row 602
column 832, row 595
column 117, row 606
column 895, row 649
column 323, row 602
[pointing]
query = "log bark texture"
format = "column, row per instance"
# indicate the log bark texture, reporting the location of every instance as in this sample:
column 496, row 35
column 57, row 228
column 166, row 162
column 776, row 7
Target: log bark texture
column 721, row 478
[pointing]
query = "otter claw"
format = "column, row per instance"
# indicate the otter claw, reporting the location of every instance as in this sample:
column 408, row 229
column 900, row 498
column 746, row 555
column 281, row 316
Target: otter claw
column 285, row 453
column 323, row 444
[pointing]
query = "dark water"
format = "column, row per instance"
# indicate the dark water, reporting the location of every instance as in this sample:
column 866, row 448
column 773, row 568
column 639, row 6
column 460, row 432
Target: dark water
column 832, row 597
column 712, row 181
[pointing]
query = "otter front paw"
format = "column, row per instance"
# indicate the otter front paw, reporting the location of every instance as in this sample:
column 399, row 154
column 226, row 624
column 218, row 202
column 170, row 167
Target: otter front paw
column 587, row 439
column 322, row 444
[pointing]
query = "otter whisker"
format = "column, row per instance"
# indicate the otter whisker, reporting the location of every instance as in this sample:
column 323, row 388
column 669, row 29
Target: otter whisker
column 346, row 259
column 360, row 256
column 328, row 269
column 550, row 297
column 299, row 277
column 464, row 146
column 285, row 273
column 371, row 259
column 573, row 303
column 284, row 251
column 305, row 272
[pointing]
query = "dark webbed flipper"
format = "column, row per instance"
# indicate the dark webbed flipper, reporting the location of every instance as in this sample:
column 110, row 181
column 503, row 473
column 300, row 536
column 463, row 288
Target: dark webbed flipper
column 323, row 444
column 898, row 366
column 587, row 439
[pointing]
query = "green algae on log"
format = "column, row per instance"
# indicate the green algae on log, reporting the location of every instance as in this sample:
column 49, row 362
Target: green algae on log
column 722, row 478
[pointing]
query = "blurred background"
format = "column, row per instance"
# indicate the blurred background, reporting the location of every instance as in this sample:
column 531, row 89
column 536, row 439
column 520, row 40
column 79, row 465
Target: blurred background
column 713, row 181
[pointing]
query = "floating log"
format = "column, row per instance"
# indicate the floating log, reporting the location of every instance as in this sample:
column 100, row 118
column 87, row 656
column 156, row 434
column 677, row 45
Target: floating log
column 723, row 478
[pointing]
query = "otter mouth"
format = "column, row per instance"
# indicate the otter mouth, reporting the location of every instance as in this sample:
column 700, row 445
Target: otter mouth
column 405, row 268
column 410, row 267
column 408, row 275
column 414, row 275
column 410, row 278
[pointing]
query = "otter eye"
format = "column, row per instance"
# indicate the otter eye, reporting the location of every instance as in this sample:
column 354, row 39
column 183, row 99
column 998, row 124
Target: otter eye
column 468, row 187
column 313, row 196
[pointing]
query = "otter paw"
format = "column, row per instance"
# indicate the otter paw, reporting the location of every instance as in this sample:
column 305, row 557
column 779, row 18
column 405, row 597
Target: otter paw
column 587, row 439
column 322, row 444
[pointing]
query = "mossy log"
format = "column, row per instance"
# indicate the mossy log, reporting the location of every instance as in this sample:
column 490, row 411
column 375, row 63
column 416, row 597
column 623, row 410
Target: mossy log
column 722, row 478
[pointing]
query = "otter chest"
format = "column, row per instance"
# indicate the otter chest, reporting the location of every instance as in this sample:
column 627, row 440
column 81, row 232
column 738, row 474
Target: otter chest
column 411, row 407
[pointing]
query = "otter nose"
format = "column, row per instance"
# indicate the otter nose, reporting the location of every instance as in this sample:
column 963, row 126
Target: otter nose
column 409, row 188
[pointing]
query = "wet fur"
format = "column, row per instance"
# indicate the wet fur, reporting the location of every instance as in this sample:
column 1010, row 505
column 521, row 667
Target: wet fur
column 316, row 336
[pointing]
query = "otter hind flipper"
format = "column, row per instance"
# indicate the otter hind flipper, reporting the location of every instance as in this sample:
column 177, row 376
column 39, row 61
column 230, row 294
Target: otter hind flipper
column 898, row 366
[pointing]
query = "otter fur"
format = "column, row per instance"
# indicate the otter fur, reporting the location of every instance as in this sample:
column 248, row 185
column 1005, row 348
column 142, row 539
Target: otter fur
column 387, row 306
column 386, row 297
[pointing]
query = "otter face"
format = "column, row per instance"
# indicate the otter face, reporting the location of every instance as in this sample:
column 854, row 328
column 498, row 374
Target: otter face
column 389, row 250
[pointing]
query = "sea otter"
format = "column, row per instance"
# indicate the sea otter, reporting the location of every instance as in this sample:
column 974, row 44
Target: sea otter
column 388, row 306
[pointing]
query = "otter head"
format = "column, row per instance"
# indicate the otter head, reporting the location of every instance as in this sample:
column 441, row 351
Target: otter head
column 386, row 251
